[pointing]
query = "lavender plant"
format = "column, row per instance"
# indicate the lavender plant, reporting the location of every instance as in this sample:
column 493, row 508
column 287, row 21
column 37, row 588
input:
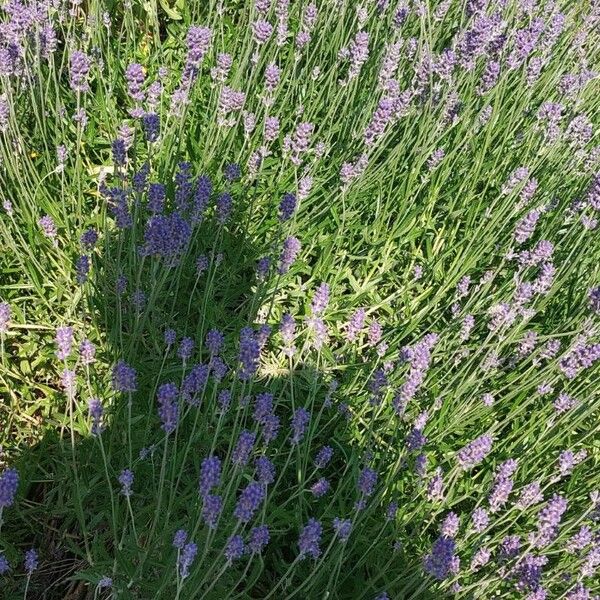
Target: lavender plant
column 299, row 300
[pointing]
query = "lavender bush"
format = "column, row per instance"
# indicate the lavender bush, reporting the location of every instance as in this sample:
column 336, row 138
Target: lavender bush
column 299, row 299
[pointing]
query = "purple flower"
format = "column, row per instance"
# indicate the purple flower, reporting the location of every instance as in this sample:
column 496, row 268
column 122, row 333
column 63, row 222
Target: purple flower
column 568, row 460
column 79, row 68
column 419, row 358
column 479, row 519
column 489, row 77
column 358, row 52
column 249, row 355
column 531, row 494
column 156, row 197
column 310, row 538
column 265, row 470
column 170, row 337
column 271, row 425
column 509, row 547
column 299, row 423
column 528, row 572
column 64, row 342
column 580, row 592
column 119, row 152
column 287, row 206
column 594, row 299
column 179, row 539
column 435, row 486
column 234, row 548
column 134, row 76
column 124, row 377
column 549, row 518
column 355, row 325
column 342, row 528
column 320, row 300
column 291, row 249
column 214, row 341
column 167, row 236
column 31, row 561
column 222, row 68
column 474, row 452
column 300, row 141
column 320, row 487
column 258, row 539
column 211, row 509
column 435, row 159
column 89, row 238
column 151, row 125
column 503, row 485
column 480, row 558
column 450, row 525
column 198, row 43
column 168, row 408
column 194, row 384
column 442, row 561
column 5, row 314
column 243, row 448
column 323, row 457
column 271, row 133
column 9, row 482
column 262, row 31
column 287, row 329
column 210, row 475
column 580, row 540
column 186, row 558
column 82, row 269
column 96, row 412
column 48, row 227
column 391, row 511
column 4, row 564
column 126, row 481
column 186, row 348
column 249, row 501
column 367, row 480
column 272, row 75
